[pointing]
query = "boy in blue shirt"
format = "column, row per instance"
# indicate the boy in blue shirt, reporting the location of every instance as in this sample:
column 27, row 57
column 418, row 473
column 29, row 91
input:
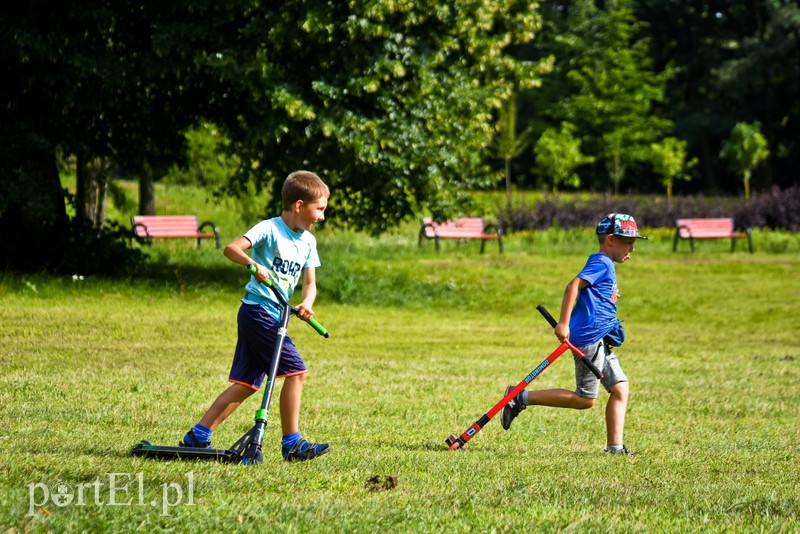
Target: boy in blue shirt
column 589, row 319
column 284, row 250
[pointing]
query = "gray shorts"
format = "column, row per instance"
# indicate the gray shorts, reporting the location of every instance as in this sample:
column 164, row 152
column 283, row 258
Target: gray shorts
column 587, row 385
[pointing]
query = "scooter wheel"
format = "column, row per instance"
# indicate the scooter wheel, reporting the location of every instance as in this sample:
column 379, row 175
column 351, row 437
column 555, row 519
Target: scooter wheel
column 258, row 458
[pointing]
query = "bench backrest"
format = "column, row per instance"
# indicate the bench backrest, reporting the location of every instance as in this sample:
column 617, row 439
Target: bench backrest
column 721, row 227
column 165, row 225
column 465, row 226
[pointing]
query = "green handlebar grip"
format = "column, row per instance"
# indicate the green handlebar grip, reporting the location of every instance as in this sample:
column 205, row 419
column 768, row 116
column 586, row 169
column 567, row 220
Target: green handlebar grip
column 318, row 327
column 252, row 270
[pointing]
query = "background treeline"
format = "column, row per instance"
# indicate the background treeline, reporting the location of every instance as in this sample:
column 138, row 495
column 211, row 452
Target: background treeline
column 628, row 75
column 404, row 107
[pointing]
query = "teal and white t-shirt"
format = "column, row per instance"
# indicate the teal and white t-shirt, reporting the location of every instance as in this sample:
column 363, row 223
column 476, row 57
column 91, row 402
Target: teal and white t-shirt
column 285, row 253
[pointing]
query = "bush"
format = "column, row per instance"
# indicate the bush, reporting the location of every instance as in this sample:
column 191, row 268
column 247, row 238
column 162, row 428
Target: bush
column 90, row 250
column 72, row 248
column 774, row 209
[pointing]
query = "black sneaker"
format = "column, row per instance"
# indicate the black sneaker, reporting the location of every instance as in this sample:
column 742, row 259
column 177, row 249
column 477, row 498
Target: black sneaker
column 190, row 440
column 304, row 450
column 622, row 452
column 512, row 409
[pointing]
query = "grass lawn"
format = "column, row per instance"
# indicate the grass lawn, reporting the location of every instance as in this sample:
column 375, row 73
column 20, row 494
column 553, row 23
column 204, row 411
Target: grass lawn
column 421, row 345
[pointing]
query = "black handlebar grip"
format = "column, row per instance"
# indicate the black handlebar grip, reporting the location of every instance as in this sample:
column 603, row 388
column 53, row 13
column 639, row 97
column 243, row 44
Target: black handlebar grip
column 546, row 315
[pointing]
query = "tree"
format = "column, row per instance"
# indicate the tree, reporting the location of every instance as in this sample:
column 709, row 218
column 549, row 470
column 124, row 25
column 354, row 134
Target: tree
column 558, row 154
column 761, row 83
column 394, row 103
column 509, row 145
column 604, row 83
column 669, row 162
column 744, row 150
column 735, row 61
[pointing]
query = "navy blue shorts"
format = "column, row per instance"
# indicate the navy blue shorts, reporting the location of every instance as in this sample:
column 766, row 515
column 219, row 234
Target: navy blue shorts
column 258, row 331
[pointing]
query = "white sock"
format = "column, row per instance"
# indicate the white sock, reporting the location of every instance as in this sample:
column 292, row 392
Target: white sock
column 615, row 447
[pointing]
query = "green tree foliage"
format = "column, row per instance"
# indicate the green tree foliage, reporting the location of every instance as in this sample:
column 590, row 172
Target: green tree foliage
column 761, row 81
column 392, row 102
column 735, row 61
column 669, row 162
column 604, row 83
column 558, row 154
column 744, row 150
column 209, row 159
column 508, row 143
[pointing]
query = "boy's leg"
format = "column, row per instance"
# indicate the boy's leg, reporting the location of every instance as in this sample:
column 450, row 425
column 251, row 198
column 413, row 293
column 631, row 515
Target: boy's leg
column 587, row 386
column 293, row 446
column 225, row 404
column 559, row 398
column 221, row 408
column 615, row 413
column 291, row 394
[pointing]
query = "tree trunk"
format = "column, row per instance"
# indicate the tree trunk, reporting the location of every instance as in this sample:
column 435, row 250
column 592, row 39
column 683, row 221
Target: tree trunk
column 33, row 214
column 708, row 164
column 85, row 190
column 91, row 190
column 508, row 183
column 102, row 194
column 147, row 191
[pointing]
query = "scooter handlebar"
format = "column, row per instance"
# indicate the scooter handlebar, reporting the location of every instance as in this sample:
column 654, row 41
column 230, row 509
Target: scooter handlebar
column 546, row 314
column 321, row 330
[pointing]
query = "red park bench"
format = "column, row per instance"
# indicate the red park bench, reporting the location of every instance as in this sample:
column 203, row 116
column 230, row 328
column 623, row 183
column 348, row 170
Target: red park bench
column 149, row 227
column 721, row 228
column 463, row 228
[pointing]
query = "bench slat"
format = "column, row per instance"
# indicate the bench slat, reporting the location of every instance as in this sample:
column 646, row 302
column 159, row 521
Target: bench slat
column 714, row 228
column 463, row 228
column 171, row 226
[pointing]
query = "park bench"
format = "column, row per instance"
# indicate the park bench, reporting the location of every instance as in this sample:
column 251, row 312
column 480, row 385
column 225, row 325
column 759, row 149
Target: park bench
column 463, row 228
column 720, row 228
column 149, row 227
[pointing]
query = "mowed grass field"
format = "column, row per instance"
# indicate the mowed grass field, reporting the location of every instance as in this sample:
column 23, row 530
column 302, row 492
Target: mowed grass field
column 421, row 346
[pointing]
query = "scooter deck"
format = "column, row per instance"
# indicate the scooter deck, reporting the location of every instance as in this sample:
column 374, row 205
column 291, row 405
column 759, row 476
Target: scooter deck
column 145, row 449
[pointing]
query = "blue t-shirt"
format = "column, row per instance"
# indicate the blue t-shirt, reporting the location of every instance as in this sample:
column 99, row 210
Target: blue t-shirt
column 595, row 312
column 285, row 253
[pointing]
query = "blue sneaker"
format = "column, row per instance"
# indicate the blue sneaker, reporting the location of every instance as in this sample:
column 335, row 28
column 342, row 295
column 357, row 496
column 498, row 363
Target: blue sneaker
column 512, row 409
column 190, row 440
column 303, row 450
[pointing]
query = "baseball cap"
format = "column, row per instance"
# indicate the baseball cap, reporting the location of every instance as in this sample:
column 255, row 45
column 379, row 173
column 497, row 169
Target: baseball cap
column 619, row 224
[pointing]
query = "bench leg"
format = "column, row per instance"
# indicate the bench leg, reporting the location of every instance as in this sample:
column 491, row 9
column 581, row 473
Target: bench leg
column 691, row 242
column 436, row 239
column 483, row 245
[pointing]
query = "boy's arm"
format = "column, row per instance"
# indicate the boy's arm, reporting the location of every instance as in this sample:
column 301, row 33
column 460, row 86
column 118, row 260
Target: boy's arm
column 304, row 310
column 236, row 253
column 567, row 304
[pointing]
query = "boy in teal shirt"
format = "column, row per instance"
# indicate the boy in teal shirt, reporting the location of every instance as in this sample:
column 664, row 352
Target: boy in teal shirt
column 589, row 320
column 284, row 250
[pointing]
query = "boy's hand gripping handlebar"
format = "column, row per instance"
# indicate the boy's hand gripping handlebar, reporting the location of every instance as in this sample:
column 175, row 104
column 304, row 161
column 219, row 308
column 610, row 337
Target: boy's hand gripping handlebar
column 313, row 322
column 586, row 361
